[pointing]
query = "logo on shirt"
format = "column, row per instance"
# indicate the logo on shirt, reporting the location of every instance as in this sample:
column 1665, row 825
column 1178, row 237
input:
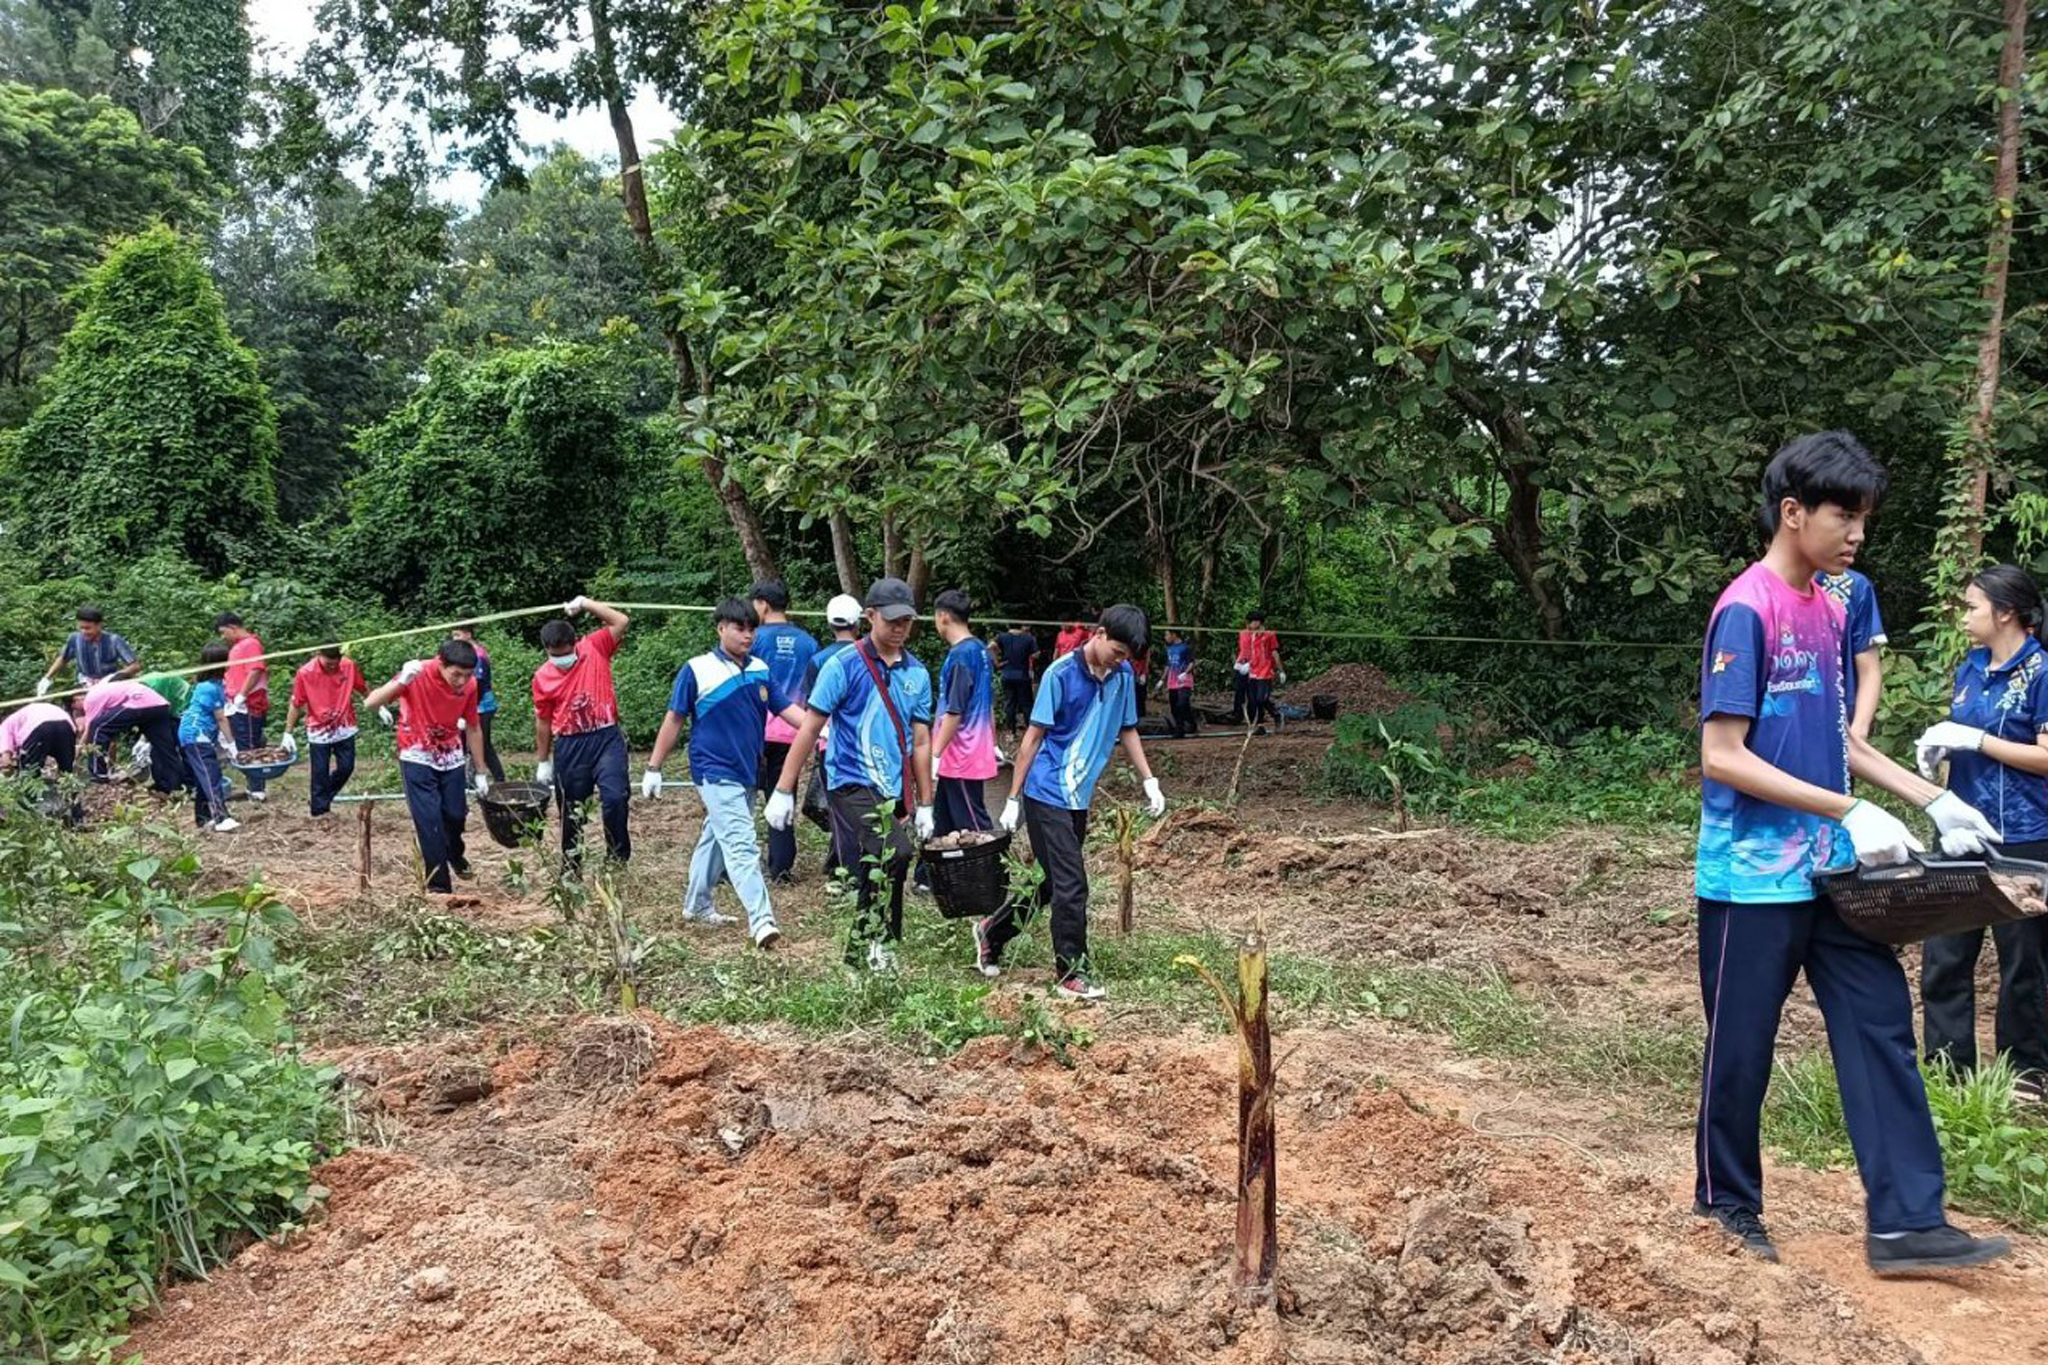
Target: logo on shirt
column 1723, row 658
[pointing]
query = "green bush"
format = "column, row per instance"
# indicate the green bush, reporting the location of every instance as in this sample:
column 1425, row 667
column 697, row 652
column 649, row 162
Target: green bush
column 153, row 1113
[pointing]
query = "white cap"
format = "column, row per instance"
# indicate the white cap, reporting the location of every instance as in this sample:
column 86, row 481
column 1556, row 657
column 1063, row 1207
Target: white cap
column 843, row 610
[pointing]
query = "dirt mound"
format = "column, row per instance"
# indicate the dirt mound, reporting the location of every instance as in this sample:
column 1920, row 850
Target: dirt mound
column 747, row 1202
column 1360, row 689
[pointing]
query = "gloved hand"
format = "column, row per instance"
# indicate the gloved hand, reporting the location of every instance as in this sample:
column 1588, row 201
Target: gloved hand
column 1012, row 815
column 410, row 671
column 574, row 606
column 935, row 768
column 1283, row 677
column 482, row 782
column 237, row 706
column 544, row 771
column 289, row 744
column 138, row 754
column 42, row 687
column 1879, row 836
column 781, row 810
column 228, row 743
column 384, row 714
column 1244, row 668
column 1964, row 830
column 1155, row 798
column 1936, row 742
column 650, row 783
column 926, row 823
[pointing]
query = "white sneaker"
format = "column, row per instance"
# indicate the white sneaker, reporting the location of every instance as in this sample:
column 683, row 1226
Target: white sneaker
column 767, row 937
column 881, row 958
column 707, row 917
column 259, row 796
column 224, row 825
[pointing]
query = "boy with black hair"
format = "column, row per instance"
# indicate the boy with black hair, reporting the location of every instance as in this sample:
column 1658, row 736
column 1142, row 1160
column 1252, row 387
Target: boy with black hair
column 724, row 695
column 787, row 649
column 964, row 745
column 878, row 698
column 248, row 691
column 1180, row 684
column 1777, row 755
column 1258, row 662
column 325, row 687
column 1016, row 651
column 96, row 652
column 436, row 710
column 576, row 727
column 203, row 732
column 1085, row 708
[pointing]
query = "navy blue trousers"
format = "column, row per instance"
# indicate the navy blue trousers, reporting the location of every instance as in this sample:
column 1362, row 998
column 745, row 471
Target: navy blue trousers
column 587, row 764
column 436, row 799
column 332, row 766
column 1750, row 955
column 957, row 805
column 247, row 728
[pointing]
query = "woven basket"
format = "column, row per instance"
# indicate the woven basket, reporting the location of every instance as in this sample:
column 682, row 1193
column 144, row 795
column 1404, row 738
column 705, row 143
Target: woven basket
column 1925, row 897
column 969, row 883
column 516, row 813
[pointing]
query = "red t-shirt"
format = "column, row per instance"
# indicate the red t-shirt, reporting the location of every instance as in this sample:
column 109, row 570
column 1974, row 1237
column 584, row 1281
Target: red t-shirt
column 1262, row 651
column 427, row 711
column 248, row 647
column 328, row 697
column 579, row 699
column 1071, row 638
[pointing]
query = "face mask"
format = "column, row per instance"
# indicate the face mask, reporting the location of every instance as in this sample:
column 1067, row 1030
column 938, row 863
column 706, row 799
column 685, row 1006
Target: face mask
column 562, row 660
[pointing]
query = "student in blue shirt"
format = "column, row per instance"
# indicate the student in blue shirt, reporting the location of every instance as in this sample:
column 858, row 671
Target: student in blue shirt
column 787, row 649
column 1997, row 755
column 1866, row 640
column 724, row 697
column 878, row 765
column 1776, row 757
column 202, row 732
column 1086, row 707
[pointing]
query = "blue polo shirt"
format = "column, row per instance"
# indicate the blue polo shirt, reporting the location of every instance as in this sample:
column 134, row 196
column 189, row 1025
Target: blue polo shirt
column 1083, row 718
column 864, row 750
column 787, row 649
column 2006, row 702
column 726, row 703
column 1858, row 600
column 201, row 722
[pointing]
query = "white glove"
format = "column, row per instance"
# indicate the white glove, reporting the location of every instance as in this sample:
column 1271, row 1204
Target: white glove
column 289, row 744
column 1963, row 829
column 237, row 706
column 229, row 744
column 935, row 769
column 384, row 714
column 1244, row 668
column 42, row 687
column 1283, row 679
column 138, row 754
column 782, row 810
column 544, row 771
column 482, row 781
column 926, row 823
column 650, row 783
column 1936, row 741
column 1878, row 836
column 1012, row 814
column 574, row 606
column 1155, row 798
column 410, row 671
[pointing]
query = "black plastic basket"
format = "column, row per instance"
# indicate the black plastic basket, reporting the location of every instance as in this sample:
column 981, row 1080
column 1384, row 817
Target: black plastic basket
column 516, row 813
column 1925, row 897
column 969, row 883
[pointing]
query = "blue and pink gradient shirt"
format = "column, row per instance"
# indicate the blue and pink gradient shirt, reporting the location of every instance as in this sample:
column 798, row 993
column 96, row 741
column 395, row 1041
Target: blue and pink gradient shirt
column 787, row 649
column 967, row 690
column 1776, row 656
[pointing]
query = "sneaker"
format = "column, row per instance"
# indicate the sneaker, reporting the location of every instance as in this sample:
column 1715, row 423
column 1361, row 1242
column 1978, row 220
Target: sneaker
column 881, row 958
column 768, row 938
column 1943, row 1248
column 2030, row 1089
column 710, row 918
column 464, row 870
column 259, row 796
column 1079, row 987
column 1745, row 1226
column 224, row 825
column 985, row 956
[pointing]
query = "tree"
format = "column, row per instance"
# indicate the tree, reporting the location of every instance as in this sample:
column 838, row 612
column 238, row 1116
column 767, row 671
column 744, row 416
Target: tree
column 501, row 477
column 157, row 433
column 73, row 173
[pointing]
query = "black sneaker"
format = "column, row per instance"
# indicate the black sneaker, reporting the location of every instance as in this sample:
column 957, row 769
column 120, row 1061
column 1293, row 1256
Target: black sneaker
column 1942, row 1248
column 1745, row 1226
column 984, row 956
column 464, row 870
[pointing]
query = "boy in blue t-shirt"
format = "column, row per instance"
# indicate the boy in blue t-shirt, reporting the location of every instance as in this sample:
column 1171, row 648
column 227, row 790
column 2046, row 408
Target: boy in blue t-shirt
column 200, row 730
column 1776, row 756
column 1858, row 601
column 787, row 649
column 1086, row 707
column 724, row 696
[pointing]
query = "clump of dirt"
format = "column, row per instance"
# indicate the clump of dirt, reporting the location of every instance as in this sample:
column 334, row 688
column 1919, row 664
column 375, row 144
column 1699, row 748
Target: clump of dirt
column 753, row 1201
column 1360, row 689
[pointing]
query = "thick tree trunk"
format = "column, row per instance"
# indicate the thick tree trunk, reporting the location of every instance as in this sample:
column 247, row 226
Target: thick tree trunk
column 2012, row 64
column 691, row 379
column 919, row 577
column 892, row 546
column 843, row 554
column 1518, row 539
column 1269, row 561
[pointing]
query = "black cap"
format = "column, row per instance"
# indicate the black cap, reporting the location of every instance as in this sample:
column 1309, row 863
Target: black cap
column 891, row 597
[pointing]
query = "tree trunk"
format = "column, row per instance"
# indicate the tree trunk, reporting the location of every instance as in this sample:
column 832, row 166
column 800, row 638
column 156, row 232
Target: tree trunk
column 1258, row 1233
column 1162, row 562
column 920, row 576
column 690, row 377
column 892, row 546
column 1269, row 561
column 1519, row 538
column 2012, row 62
column 843, row 554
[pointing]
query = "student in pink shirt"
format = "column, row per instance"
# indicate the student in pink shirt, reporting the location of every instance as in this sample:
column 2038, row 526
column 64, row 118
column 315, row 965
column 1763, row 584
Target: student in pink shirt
column 576, row 726
column 34, row 734
column 248, row 689
column 121, row 706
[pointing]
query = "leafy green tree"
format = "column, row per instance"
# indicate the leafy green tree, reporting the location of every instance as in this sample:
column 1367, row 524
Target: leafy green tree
column 501, row 481
column 157, row 433
column 74, row 172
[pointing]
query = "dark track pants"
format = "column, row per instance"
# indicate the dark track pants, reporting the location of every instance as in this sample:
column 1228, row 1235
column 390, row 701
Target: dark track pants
column 1058, row 837
column 1750, row 955
column 247, row 728
column 491, row 761
column 586, row 764
column 52, row 740
column 158, row 725
column 877, row 863
column 1181, row 704
column 332, row 766
column 435, row 799
column 957, row 805
column 781, row 842
column 208, row 786
column 1016, row 702
column 1948, row 990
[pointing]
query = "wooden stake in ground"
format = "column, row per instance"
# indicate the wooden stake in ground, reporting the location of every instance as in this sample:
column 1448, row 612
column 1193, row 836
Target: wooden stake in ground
column 1250, row 729
column 363, row 849
column 1126, row 869
column 1258, row 1232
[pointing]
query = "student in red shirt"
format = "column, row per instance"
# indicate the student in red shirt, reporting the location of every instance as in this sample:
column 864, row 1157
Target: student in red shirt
column 576, row 726
column 248, row 688
column 436, row 709
column 325, row 688
column 1071, row 637
column 1258, row 661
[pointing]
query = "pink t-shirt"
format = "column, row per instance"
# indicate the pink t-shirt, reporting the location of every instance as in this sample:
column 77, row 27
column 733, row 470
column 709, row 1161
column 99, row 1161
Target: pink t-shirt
column 118, row 692
column 16, row 727
column 243, row 650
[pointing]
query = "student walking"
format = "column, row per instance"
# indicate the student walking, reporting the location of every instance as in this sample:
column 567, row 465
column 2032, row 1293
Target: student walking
column 436, row 711
column 1258, row 659
column 843, row 615
column 121, row 706
column 486, row 698
column 1085, row 708
column 1777, row 757
column 325, row 689
column 724, row 696
column 1858, row 600
column 1180, row 684
column 203, row 734
column 248, row 691
column 576, row 727
column 94, row 651
column 878, row 699
column 964, row 745
column 787, row 649
column 1016, row 651
column 1996, row 744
